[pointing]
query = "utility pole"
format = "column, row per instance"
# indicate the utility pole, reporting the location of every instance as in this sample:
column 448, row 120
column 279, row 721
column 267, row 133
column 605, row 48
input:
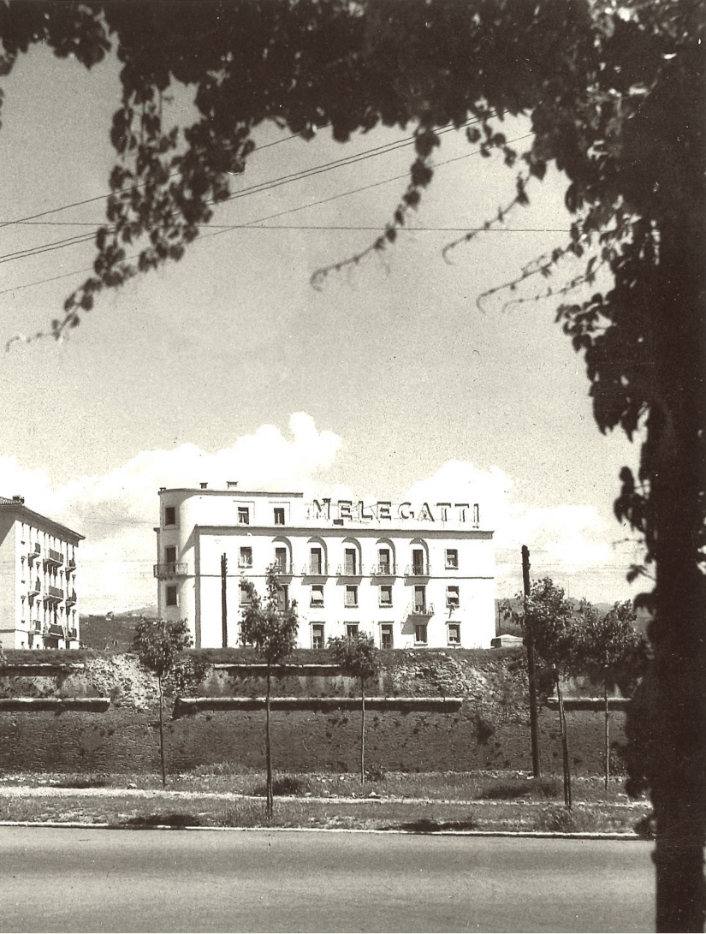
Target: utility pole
column 529, row 643
column 224, row 604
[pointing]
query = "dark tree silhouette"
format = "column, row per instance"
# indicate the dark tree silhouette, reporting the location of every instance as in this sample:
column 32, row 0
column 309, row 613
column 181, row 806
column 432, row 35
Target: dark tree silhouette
column 616, row 97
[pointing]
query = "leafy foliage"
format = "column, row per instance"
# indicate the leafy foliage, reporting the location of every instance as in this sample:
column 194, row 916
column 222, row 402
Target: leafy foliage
column 610, row 648
column 160, row 642
column 268, row 626
column 547, row 618
column 356, row 655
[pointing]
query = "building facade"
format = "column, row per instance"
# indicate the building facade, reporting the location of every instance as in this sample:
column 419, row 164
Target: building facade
column 38, row 580
column 410, row 575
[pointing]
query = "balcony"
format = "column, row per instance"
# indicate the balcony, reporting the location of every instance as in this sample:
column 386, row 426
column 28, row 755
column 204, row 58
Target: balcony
column 73, row 633
column 53, row 559
column 71, row 598
column 56, row 630
column 34, row 587
column 54, row 594
column 418, row 570
column 421, row 609
column 347, row 570
column 36, row 625
column 284, row 568
column 170, row 570
column 383, row 570
column 315, row 570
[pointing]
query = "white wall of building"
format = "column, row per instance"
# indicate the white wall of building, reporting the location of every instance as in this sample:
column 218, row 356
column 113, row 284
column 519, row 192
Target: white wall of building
column 39, row 606
column 198, row 527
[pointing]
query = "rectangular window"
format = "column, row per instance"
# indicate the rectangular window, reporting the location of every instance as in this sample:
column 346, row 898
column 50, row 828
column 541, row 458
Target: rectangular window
column 244, row 596
column 282, row 598
column 452, row 559
column 315, row 563
column 386, row 638
column 317, row 636
column 420, row 599
column 170, row 515
column 420, row 633
column 454, row 634
column 279, row 515
column 281, row 558
column 170, row 554
column 245, row 557
column 172, row 596
column 351, row 596
column 351, row 561
column 452, row 597
column 417, row 561
column 384, row 560
column 386, row 595
column 351, row 630
column 243, row 515
column 317, row 595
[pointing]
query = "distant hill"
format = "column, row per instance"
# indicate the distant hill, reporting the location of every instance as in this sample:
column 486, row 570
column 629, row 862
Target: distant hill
column 112, row 631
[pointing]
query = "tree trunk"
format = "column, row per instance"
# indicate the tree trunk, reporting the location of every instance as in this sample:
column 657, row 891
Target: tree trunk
column 607, row 732
column 668, row 728
column 268, row 756
column 534, row 721
column 161, row 731
column 564, row 743
column 362, row 732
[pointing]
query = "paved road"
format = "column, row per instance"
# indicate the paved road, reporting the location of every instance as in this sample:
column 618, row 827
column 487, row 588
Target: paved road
column 94, row 880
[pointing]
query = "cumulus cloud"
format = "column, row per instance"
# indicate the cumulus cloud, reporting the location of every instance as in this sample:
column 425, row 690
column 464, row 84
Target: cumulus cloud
column 118, row 511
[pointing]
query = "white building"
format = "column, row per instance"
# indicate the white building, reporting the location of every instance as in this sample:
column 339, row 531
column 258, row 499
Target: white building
column 38, row 599
column 408, row 574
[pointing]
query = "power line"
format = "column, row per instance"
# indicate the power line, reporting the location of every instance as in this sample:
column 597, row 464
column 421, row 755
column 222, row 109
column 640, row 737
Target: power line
column 252, row 224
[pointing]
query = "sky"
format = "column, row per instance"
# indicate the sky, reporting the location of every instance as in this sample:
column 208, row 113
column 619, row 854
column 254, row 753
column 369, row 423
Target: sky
column 391, row 381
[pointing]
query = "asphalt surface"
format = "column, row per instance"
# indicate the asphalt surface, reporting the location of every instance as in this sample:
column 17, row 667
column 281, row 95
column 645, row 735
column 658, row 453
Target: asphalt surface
column 96, row 880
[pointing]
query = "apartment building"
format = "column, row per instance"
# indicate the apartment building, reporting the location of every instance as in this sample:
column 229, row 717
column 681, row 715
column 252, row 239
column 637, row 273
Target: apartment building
column 410, row 575
column 38, row 589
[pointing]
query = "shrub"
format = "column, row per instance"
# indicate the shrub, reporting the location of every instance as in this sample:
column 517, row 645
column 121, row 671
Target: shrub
column 244, row 814
column 559, row 819
column 376, row 773
column 284, row 785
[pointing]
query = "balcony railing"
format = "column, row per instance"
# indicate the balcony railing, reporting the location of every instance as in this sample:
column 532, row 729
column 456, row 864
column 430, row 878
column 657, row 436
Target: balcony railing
column 283, row 567
column 347, row 570
column 36, row 625
column 34, row 587
column 55, row 630
column 169, row 570
column 71, row 598
column 73, row 633
column 418, row 570
column 71, row 564
column 383, row 570
column 315, row 570
column 421, row 609
column 54, row 593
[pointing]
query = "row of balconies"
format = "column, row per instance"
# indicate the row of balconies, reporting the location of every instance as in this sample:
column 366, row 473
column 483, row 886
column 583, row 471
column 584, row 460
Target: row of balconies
column 52, row 629
column 51, row 592
column 166, row 571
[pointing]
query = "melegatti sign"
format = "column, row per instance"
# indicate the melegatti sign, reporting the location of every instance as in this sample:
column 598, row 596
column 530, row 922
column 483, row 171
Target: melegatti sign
column 344, row 509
